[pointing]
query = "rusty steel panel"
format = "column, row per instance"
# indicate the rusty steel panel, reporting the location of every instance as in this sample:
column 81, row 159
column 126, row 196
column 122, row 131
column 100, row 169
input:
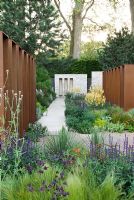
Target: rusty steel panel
column 22, row 75
column 1, row 71
column 122, row 86
column 107, row 85
column 27, row 90
column 128, row 87
column 24, row 91
column 13, row 71
column 115, row 89
column 20, row 86
column 103, row 82
column 30, row 89
column 7, row 58
column 112, row 86
column 118, row 85
column 1, row 74
column 34, row 92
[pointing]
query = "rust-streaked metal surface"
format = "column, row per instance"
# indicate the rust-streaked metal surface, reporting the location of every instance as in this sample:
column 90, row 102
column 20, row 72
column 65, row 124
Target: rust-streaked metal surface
column 1, row 69
column 118, row 85
column 22, row 78
column 128, row 87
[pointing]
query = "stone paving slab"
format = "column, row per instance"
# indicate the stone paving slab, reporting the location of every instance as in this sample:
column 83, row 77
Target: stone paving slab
column 54, row 118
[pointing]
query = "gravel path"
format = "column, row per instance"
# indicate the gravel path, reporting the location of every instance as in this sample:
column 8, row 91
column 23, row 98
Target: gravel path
column 109, row 138
column 114, row 138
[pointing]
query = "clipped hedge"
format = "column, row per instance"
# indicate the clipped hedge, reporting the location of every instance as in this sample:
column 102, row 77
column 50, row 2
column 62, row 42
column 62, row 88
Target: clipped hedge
column 84, row 67
column 70, row 66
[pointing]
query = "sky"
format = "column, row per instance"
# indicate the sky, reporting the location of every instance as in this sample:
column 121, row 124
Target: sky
column 102, row 13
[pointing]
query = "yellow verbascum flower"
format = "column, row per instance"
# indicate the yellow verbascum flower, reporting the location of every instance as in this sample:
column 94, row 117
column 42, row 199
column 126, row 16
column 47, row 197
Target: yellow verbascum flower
column 76, row 90
column 95, row 96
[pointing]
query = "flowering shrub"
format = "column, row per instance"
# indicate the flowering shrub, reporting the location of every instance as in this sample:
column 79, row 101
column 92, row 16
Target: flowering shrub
column 95, row 97
column 35, row 132
column 118, row 127
column 100, row 123
column 11, row 145
column 16, row 152
column 82, row 116
column 116, row 158
column 76, row 90
column 96, row 172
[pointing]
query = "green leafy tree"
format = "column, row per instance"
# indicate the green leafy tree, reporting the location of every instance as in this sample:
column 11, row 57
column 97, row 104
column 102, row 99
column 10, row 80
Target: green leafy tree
column 89, row 50
column 79, row 12
column 64, row 50
column 34, row 25
column 118, row 50
column 75, row 23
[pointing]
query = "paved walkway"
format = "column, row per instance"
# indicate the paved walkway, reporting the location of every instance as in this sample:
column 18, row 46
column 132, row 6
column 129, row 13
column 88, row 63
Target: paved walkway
column 54, row 118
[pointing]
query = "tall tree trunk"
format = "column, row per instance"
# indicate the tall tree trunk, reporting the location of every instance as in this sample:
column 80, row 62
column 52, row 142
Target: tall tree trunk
column 132, row 14
column 71, row 43
column 75, row 44
column 77, row 29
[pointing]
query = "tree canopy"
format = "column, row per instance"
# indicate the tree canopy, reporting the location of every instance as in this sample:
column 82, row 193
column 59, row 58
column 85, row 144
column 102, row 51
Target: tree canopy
column 118, row 50
column 34, row 25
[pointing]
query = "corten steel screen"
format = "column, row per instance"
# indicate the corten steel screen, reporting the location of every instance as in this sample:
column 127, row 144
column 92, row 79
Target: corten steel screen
column 118, row 85
column 21, row 77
